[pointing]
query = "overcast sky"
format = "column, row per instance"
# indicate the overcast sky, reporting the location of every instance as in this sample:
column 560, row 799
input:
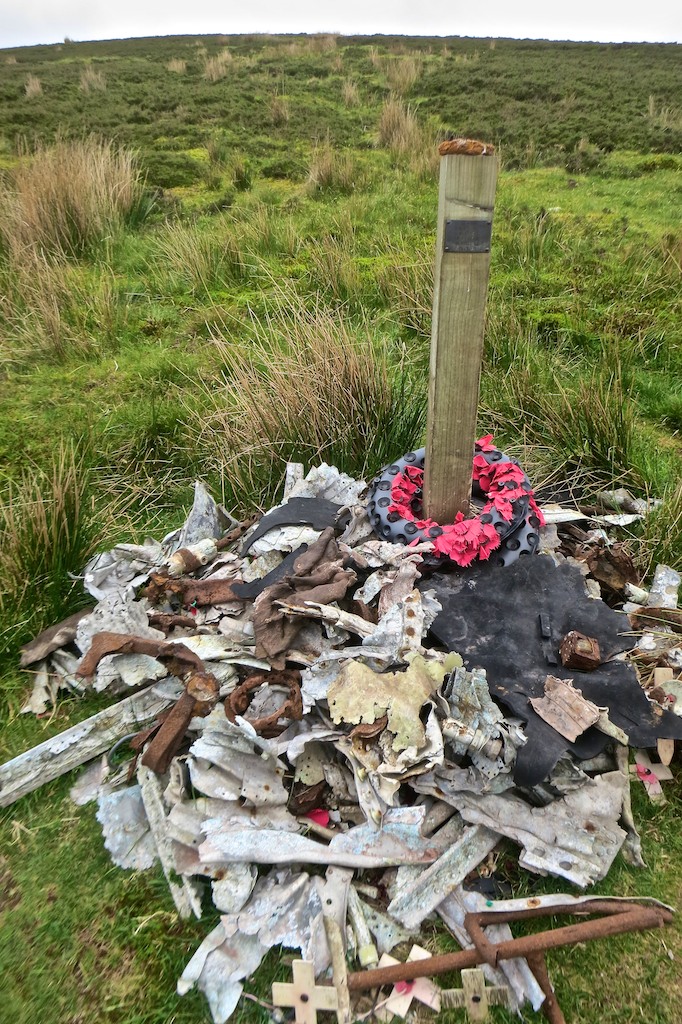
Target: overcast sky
column 25, row 22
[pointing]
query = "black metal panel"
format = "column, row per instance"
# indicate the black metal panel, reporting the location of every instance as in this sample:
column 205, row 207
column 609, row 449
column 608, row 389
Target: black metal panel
column 467, row 235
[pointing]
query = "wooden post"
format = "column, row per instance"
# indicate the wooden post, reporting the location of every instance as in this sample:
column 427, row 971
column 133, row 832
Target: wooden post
column 468, row 175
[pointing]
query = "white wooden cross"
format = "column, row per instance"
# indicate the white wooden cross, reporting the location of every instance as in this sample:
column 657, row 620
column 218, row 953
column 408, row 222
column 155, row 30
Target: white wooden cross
column 304, row 995
column 400, row 999
column 474, row 995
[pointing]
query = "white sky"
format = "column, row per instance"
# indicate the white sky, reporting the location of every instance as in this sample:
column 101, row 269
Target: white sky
column 25, row 22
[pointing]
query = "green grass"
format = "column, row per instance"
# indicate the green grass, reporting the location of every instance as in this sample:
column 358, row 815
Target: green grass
column 164, row 344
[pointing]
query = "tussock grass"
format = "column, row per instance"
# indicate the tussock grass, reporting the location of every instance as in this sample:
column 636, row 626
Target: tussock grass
column 402, row 73
column 280, row 110
column 406, row 286
column 219, row 149
column 350, row 93
column 48, row 529
column 334, row 270
column 33, row 87
column 587, row 420
column 660, row 539
column 375, row 58
column 199, row 256
column 65, row 198
column 399, row 129
column 54, row 309
column 177, row 66
column 473, row 57
column 216, row 67
column 266, row 232
column 306, row 387
column 332, row 169
column 92, row 80
column 322, row 42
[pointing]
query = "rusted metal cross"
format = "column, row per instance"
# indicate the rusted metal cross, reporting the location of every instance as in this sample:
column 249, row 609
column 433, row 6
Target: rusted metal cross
column 304, row 995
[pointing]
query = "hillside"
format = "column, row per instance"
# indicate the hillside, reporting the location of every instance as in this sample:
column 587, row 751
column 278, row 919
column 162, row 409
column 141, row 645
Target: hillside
column 215, row 255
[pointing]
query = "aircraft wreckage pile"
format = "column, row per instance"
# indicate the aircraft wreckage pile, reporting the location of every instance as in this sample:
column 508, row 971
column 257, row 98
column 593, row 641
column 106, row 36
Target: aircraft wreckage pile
column 332, row 734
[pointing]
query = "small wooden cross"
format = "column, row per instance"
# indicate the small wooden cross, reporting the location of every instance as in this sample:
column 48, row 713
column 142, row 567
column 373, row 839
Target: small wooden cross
column 474, row 996
column 304, row 995
column 400, row 999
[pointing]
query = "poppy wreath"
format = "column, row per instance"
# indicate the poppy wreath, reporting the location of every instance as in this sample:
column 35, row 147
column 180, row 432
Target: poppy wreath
column 498, row 482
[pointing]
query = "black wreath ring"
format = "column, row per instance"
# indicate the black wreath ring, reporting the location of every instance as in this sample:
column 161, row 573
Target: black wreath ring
column 517, row 536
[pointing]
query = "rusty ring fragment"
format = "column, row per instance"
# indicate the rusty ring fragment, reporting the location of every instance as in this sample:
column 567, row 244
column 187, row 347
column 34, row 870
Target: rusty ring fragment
column 269, row 725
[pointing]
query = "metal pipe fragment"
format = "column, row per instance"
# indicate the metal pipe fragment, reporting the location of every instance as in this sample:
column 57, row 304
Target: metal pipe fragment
column 635, row 918
column 550, row 1007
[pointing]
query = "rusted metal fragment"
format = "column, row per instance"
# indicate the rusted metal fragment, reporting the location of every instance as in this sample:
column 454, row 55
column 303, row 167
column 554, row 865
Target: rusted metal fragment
column 189, row 559
column 178, row 657
column 565, row 709
column 189, row 592
column 186, row 894
column 580, row 651
column 651, row 617
column 51, row 639
column 616, row 921
column 318, row 576
column 576, row 837
column 400, row 841
column 514, row 972
column 125, row 827
column 168, row 621
column 288, row 707
column 423, row 894
column 236, row 533
column 81, row 742
column 201, row 694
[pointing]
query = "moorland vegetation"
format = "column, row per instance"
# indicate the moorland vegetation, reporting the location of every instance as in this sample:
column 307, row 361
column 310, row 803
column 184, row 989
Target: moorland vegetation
column 215, row 256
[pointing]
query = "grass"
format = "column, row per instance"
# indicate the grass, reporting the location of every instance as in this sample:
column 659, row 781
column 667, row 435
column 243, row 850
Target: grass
column 274, row 301
column 33, row 87
column 216, row 67
column 65, row 198
column 305, row 387
column 48, row 530
column 332, row 170
column 92, row 80
column 398, row 127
